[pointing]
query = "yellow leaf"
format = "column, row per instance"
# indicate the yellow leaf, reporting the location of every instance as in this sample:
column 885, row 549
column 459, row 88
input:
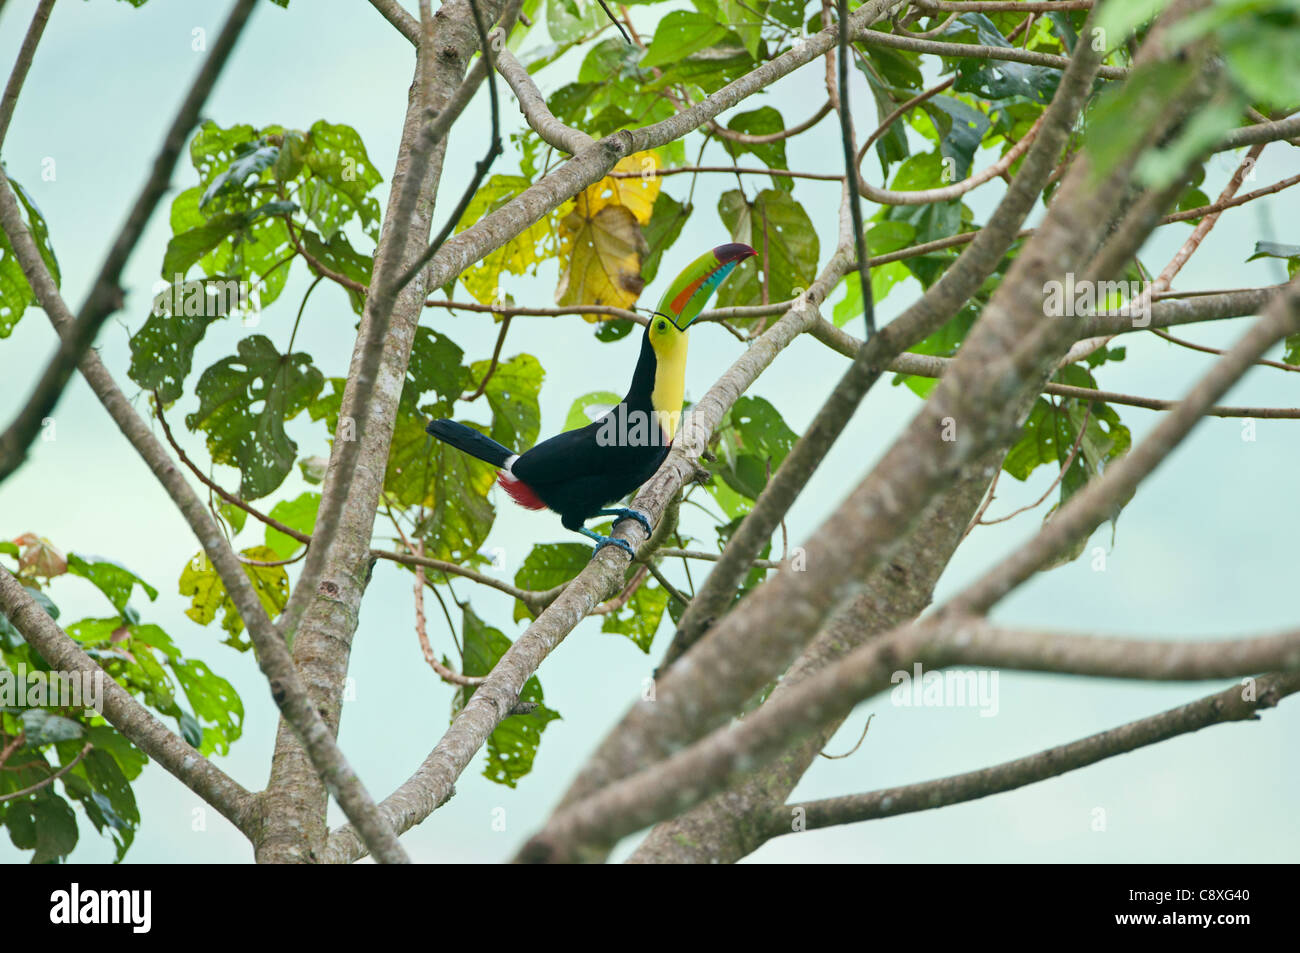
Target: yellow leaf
column 601, row 259
column 525, row 251
column 637, row 195
column 601, row 245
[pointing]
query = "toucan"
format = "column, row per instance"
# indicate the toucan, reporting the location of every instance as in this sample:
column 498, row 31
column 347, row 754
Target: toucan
column 579, row 473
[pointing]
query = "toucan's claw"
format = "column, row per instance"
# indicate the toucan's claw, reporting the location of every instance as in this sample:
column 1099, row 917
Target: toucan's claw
column 613, row 541
column 627, row 513
column 603, row 541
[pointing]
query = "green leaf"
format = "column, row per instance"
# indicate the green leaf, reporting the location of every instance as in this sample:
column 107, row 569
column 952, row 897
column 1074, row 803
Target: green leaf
column 661, row 232
column 883, row 279
column 15, row 293
column 112, row 580
column 298, row 513
column 756, row 440
column 452, row 487
column 512, row 394
column 777, row 222
column 338, row 255
column 253, row 160
column 763, row 121
column 1118, row 20
column 244, row 402
column 233, row 515
column 567, row 20
column 639, row 618
column 435, row 367
column 961, row 128
column 587, row 408
column 340, row 177
column 214, row 701
column 208, row 596
column 44, row 824
column 999, row 79
column 512, row 747
column 548, row 565
column 100, row 785
column 1292, row 355
column 746, row 21
column 162, row 352
column 43, row 727
column 680, row 34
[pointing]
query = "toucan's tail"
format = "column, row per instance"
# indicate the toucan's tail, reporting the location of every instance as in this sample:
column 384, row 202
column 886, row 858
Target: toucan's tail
column 471, row 441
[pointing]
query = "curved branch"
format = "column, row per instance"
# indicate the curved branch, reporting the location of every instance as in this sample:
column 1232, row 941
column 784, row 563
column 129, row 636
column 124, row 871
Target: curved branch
column 123, row 712
column 402, row 21
column 534, row 109
column 1011, row 54
column 46, row 782
column 751, row 139
column 957, row 189
column 1230, row 705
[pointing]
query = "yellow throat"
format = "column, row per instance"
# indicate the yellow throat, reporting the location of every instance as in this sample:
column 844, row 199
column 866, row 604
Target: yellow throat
column 669, row 390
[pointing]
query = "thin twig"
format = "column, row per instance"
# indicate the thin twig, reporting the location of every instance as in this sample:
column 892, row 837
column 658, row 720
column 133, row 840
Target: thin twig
column 861, row 738
column 1074, row 451
column 46, row 782
column 841, row 98
column 496, row 357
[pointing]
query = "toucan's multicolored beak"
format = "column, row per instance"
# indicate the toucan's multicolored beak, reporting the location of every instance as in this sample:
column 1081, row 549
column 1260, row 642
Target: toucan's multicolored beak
column 687, row 296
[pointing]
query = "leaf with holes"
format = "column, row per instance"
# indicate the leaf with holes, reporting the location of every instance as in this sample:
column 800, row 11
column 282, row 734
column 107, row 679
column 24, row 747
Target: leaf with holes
column 521, row 254
column 208, row 596
column 639, row 618
column 548, row 565
column 244, row 402
column 512, row 392
column 114, row 581
column 778, row 225
column 15, row 293
column 601, row 243
column 512, row 746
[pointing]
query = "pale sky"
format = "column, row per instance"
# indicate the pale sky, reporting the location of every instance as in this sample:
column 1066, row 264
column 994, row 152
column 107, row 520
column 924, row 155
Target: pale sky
column 1202, row 551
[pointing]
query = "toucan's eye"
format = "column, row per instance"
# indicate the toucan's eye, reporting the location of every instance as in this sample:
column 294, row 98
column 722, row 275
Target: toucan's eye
column 663, row 326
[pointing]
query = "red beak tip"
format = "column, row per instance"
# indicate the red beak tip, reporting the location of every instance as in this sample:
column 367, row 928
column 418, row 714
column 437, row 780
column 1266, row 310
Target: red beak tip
column 736, row 251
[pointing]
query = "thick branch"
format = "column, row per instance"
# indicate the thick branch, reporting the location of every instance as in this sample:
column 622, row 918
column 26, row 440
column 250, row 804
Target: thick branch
column 123, row 712
column 1232, row 704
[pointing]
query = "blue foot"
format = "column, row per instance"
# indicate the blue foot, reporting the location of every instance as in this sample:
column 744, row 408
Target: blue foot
column 603, row 541
column 627, row 513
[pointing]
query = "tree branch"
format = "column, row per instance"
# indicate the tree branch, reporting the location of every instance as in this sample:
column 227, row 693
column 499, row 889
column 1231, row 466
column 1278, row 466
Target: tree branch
column 105, row 295
column 26, row 53
column 123, row 712
column 1233, row 704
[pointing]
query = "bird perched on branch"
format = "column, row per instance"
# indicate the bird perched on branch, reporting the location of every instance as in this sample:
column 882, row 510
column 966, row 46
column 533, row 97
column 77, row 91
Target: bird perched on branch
column 580, row 472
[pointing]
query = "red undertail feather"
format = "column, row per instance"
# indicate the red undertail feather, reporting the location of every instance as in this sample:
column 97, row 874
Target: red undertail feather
column 520, row 492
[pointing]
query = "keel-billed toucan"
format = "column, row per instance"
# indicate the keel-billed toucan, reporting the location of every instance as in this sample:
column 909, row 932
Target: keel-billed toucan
column 580, row 472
